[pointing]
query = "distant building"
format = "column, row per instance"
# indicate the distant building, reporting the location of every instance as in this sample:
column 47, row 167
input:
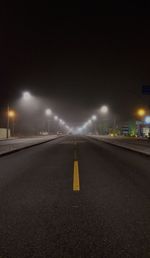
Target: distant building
column 142, row 129
column 135, row 128
column 128, row 128
column 125, row 129
column 3, row 133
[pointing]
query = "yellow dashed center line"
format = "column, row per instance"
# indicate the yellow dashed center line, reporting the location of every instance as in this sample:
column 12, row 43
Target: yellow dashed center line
column 76, row 180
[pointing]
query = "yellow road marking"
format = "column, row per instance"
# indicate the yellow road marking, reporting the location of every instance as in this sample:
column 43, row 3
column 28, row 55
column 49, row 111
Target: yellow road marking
column 76, row 181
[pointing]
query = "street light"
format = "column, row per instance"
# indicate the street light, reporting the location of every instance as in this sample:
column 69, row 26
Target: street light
column 141, row 112
column 10, row 115
column 104, row 109
column 56, row 118
column 89, row 121
column 48, row 113
column 57, row 123
column 94, row 117
column 26, row 96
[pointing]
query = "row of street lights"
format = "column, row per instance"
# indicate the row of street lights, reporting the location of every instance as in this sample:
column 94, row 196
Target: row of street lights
column 27, row 97
column 49, row 113
column 141, row 113
column 102, row 110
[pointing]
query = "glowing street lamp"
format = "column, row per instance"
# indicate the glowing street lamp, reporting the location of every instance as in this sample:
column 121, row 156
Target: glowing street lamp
column 89, row 121
column 94, row 117
column 104, row 109
column 48, row 112
column 104, row 112
column 141, row 112
column 11, row 113
column 56, row 118
column 26, row 96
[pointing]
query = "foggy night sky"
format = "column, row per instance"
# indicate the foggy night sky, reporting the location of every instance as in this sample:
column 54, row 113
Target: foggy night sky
column 77, row 58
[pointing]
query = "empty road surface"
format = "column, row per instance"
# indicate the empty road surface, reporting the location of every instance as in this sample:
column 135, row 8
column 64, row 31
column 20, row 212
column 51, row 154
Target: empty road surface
column 74, row 197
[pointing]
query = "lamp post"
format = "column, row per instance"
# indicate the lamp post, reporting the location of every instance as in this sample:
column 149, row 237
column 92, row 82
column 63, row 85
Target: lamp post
column 104, row 111
column 7, row 131
column 94, row 118
column 10, row 115
column 48, row 113
column 56, row 118
column 141, row 112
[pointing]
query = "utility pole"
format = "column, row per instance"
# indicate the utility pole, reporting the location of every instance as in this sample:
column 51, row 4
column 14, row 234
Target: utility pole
column 13, row 126
column 7, row 131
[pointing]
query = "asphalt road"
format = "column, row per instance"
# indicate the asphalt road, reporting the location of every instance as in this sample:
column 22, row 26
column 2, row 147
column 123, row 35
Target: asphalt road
column 41, row 216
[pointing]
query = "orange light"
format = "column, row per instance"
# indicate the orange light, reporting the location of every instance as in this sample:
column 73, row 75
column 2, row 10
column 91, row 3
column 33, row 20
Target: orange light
column 141, row 112
column 11, row 113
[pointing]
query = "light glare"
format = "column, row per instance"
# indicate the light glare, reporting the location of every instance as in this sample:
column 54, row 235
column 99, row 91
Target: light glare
column 56, row 118
column 104, row 109
column 48, row 112
column 11, row 113
column 94, row 117
column 26, row 96
column 141, row 112
column 147, row 119
column 89, row 121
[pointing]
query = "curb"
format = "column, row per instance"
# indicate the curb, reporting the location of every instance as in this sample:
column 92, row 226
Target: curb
column 26, row 147
column 124, row 147
column 10, row 139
